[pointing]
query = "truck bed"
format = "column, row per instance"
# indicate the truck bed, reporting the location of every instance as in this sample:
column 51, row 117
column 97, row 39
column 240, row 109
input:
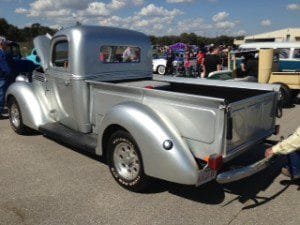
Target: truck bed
column 196, row 108
column 230, row 94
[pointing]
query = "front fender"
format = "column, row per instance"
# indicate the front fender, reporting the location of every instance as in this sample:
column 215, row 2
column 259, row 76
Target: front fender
column 32, row 113
column 150, row 130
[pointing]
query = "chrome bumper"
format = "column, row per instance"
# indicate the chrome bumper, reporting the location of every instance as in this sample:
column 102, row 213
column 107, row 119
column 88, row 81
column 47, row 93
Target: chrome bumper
column 240, row 173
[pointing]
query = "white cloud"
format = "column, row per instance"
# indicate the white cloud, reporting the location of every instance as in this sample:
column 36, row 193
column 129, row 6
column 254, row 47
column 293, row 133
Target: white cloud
column 225, row 25
column 138, row 2
column 240, row 33
column 293, row 7
column 96, row 8
column 179, row 1
column 266, row 23
column 117, row 4
column 21, row 11
column 152, row 10
column 195, row 25
column 221, row 16
column 42, row 5
column 150, row 19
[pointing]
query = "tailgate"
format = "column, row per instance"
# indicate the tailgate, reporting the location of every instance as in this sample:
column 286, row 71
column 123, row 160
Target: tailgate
column 250, row 121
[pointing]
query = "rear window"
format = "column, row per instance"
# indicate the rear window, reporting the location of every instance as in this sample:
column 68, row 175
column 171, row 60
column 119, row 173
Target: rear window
column 120, row 54
column 296, row 53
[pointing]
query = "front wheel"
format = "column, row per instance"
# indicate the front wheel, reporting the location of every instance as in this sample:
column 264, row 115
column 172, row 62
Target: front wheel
column 125, row 162
column 161, row 70
column 15, row 117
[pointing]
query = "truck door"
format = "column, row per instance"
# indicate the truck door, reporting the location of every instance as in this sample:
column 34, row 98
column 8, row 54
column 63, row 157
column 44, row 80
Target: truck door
column 60, row 83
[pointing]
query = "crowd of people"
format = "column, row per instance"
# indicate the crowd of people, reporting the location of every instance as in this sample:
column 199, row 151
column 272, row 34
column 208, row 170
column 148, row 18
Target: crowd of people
column 207, row 60
column 198, row 64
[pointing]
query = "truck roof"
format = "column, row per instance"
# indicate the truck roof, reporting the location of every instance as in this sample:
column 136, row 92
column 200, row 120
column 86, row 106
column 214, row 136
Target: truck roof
column 85, row 43
column 101, row 31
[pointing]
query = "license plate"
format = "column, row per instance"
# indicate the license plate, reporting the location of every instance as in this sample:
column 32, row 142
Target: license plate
column 206, row 175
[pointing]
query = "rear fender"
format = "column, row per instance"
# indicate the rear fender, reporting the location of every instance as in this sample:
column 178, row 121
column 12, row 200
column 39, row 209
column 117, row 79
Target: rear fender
column 33, row 114
column 150, row 130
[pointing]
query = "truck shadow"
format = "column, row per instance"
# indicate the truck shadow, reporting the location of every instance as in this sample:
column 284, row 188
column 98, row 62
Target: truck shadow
column 245, row 191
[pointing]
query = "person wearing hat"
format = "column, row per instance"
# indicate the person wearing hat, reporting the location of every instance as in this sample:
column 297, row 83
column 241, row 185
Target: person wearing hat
column 4, row 73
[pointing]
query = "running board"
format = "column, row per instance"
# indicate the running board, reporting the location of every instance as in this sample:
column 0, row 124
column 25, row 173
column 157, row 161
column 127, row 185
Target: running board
column 58, row 132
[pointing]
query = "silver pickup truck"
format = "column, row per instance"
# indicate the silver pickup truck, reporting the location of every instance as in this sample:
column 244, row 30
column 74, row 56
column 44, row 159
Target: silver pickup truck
column 95, row 91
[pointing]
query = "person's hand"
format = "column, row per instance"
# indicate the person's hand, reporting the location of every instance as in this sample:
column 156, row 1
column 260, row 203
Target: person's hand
column 269, row 153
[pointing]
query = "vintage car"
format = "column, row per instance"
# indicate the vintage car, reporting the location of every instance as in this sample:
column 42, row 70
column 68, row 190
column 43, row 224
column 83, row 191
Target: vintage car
column 159, row 66
column 95, row 91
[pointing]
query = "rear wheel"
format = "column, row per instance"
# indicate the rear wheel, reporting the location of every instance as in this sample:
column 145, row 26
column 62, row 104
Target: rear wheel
column 161, row 70
column 15, row 117
column 125, row 162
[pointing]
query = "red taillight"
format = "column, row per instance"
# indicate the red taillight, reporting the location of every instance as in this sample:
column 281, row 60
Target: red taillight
column 215, row 162
column 149, row 87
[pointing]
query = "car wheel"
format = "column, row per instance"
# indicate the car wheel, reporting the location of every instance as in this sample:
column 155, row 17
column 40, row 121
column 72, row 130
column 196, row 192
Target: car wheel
column 285, row 95
column 125, row 162
column 161, row 70
column 15, row 117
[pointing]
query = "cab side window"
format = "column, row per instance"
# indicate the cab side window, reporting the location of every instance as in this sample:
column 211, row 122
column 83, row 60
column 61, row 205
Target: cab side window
column 60, row 54
column 296, row 53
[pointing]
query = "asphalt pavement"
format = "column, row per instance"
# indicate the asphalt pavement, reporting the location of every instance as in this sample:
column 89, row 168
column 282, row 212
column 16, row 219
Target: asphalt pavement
column 43, row 182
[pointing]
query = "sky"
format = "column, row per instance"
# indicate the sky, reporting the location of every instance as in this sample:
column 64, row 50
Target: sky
column 165, row 17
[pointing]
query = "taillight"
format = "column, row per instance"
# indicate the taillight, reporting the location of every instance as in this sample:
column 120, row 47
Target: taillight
column 149, row 87
column 215, row 162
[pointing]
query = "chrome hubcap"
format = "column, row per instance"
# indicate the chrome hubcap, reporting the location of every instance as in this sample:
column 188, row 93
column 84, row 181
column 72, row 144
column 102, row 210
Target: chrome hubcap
column 15, row 115
column 161, row 70
column 126, row 161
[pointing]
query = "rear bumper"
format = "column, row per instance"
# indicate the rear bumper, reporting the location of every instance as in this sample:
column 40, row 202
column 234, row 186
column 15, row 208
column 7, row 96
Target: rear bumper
column 240, row 173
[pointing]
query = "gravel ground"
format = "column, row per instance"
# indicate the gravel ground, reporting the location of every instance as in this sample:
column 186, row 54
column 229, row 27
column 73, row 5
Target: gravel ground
column 43, row 182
